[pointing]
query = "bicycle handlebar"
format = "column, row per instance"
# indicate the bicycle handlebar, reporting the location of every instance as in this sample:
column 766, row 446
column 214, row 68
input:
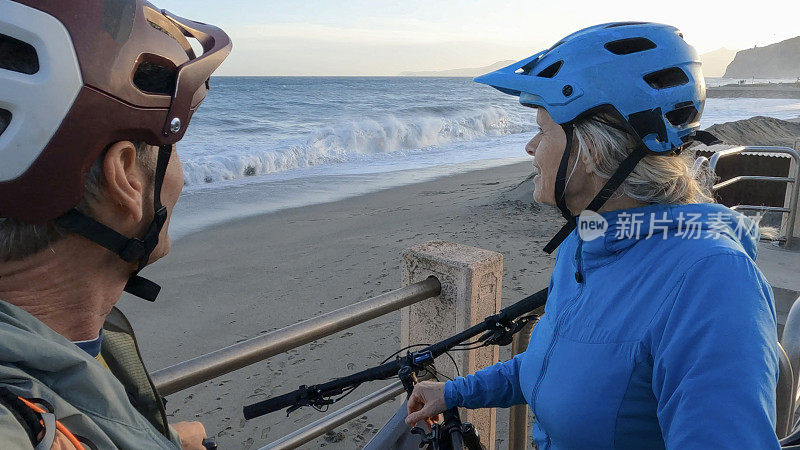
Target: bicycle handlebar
column 315, row 394
column 305, row 395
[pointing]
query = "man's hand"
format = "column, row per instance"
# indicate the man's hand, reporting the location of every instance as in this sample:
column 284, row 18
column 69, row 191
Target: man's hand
column 191, row 434
column 425, row 402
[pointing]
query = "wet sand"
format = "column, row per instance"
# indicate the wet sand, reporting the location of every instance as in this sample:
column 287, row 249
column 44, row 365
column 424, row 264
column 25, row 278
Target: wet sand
column 241, row 279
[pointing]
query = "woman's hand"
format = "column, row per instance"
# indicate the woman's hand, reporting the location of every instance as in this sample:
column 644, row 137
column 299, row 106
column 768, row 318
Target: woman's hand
column 191, row 434
column 426, row 401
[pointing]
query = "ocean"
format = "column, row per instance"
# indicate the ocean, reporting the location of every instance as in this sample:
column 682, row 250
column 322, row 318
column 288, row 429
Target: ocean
column 261, row 144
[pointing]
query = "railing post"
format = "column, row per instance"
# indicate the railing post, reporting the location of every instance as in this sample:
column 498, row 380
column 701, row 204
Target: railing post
column 792, row 202
column 471, row 280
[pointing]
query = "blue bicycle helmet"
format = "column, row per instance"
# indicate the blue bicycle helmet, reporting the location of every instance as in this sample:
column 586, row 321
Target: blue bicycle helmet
column 643, row 72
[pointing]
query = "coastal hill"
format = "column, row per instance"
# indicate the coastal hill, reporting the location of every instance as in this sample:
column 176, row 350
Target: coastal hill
column 471, row 72
column 715, row 62
column 781, row 60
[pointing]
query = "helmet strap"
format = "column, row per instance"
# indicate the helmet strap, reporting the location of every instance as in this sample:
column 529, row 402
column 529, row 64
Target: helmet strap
column 561, row 176
column 623, row 171
column 128, row 249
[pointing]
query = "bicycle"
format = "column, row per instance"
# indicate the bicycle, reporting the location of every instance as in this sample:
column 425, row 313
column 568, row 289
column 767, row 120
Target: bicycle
column 451, row 433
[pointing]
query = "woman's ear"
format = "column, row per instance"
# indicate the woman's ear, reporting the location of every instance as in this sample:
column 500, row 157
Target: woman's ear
column 124, row 180
column 588, row 159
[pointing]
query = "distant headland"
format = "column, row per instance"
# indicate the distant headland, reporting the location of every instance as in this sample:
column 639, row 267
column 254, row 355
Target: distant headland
column 780, row 60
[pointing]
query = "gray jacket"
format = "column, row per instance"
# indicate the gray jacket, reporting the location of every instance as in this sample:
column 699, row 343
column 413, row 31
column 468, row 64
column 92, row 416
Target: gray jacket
column 93, row 402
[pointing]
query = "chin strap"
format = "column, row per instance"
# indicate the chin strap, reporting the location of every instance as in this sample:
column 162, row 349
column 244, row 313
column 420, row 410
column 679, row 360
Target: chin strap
column 561, row 176
column 704, row 137
column 624, row 169
column 128, row 249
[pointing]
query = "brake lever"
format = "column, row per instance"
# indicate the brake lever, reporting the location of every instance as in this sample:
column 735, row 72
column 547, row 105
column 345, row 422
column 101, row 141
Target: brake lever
column 505, row 335
column 310, row 396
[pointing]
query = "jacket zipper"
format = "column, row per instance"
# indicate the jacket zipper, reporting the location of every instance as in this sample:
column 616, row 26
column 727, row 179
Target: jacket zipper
column 579, row 262
column 559, row 322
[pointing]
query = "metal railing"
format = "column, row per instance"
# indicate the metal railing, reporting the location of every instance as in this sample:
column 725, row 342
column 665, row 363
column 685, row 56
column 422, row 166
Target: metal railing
column 790, row 209
column 211, row 365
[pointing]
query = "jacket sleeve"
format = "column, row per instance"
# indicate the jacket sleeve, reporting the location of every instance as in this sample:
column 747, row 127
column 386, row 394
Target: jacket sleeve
column 715, row 360
column 494, row 386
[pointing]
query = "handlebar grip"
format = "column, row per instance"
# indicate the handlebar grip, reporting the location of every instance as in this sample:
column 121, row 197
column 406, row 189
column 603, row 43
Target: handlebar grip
column 525, row 305
column 270, row 405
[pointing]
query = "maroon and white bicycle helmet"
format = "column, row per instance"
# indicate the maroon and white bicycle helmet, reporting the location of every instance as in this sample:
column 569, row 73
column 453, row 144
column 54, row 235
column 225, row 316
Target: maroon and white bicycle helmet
column 88, row 85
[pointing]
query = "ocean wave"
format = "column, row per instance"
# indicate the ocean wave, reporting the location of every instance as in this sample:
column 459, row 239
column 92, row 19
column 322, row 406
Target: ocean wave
column 365, row 138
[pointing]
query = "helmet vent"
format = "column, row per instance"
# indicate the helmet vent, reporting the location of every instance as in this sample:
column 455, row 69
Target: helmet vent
column 624, row 24
column 174, row 34
column 18, row 56
column 630, row 45
column 666, row 78
column 526, row 69
column 5, row 119
column 154, row 78
column 161, row 29
column 682, row 115
column 551, row 70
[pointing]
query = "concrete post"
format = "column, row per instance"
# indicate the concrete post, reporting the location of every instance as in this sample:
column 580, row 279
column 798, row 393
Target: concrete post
column 471, row 281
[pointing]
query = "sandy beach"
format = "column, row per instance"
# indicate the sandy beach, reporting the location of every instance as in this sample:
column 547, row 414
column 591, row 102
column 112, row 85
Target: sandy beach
column 241, row 279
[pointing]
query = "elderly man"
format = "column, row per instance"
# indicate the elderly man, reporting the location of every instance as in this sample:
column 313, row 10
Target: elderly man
column 94, row 94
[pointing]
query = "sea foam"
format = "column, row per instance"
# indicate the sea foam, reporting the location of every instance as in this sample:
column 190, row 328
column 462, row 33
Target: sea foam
column 382, row 136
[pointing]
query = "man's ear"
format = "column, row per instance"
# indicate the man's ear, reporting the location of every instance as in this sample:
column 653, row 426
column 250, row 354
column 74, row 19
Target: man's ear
column 124, row 180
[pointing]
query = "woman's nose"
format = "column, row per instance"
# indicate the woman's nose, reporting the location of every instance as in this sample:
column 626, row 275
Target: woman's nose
column 530, row 147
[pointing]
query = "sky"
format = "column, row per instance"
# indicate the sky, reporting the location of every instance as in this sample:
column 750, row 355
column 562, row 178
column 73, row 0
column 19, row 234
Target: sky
column 381, row 37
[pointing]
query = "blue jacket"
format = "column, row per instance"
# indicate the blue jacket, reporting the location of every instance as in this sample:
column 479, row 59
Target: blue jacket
column 661, row 342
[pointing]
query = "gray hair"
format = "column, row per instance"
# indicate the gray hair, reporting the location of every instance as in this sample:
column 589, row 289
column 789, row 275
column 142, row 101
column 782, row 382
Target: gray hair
column 656, row 179
column 19, row 240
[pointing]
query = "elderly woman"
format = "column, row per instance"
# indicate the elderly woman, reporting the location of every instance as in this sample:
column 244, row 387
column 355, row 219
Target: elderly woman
column 659, row 330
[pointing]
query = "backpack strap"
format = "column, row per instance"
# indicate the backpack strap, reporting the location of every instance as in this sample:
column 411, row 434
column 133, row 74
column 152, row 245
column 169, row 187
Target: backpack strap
column 24, row 415
column 58, row 426
column 35, row 419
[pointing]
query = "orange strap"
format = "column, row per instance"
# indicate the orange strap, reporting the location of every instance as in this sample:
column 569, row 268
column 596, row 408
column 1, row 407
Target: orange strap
column 59, row 426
